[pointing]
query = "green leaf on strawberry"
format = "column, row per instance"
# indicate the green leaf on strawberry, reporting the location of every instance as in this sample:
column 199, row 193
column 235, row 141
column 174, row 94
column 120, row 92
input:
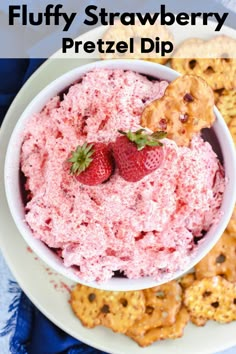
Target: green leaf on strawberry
column 142, row 139
column 81, row 158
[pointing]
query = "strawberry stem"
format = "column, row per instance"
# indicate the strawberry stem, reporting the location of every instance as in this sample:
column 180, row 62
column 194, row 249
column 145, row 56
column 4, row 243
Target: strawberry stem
column 141, row 138
column 81, row 158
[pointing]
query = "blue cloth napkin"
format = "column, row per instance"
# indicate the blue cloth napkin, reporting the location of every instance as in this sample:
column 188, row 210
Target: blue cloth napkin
column 31, row 331
column 35, row 334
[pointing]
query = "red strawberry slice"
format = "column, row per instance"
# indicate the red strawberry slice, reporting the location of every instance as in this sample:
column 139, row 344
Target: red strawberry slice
column 92, row 163
column 137, row 154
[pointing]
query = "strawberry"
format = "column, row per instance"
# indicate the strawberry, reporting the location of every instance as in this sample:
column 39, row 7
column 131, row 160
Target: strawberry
column 137, row 153
column 92, row 163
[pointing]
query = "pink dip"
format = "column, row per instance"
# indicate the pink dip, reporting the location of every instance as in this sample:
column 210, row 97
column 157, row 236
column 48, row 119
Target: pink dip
column 144, row 228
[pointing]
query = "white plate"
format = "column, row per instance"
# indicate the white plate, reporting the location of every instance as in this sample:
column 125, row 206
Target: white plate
column 45, row 288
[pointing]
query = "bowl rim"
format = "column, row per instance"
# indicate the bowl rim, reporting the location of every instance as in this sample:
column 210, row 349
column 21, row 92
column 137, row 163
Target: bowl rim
column 54, row 88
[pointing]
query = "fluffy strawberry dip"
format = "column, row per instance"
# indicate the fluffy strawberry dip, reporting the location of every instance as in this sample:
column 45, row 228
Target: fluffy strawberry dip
column 146, row 228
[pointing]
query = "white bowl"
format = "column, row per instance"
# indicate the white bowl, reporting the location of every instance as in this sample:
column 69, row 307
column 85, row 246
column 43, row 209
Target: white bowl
column 219, row 137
